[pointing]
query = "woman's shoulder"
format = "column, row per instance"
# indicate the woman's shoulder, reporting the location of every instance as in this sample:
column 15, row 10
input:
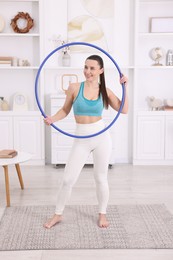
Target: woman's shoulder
column 74, row 86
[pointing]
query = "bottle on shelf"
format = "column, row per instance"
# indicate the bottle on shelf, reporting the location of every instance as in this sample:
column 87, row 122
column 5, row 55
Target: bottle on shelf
column 169, row 58
column 66, row 59
column 4, row 104
column 1, row 99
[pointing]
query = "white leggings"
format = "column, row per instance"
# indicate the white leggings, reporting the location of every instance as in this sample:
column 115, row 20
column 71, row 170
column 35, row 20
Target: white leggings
column 100, row 146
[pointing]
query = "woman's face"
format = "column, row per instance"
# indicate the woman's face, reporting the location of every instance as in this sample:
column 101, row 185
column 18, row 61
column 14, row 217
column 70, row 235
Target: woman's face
column 92, row 70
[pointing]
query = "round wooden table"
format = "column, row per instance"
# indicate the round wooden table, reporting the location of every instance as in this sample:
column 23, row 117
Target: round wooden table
column 4, row 162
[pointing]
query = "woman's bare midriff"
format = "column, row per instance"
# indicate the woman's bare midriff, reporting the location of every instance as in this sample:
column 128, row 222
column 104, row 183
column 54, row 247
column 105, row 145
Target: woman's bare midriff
column 87, row 119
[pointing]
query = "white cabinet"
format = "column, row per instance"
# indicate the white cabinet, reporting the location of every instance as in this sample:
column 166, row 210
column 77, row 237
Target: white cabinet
column 154, row 143
column 28, row 135
column 169, row 138
column 152, row 137
column 60, row 143
column 6, row 126
column 23, row 133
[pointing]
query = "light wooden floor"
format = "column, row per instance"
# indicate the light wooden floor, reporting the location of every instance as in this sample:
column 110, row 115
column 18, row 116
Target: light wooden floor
column 128, row 184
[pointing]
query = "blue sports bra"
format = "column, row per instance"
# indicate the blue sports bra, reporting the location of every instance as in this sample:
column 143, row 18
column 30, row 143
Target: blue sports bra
column 85, row 107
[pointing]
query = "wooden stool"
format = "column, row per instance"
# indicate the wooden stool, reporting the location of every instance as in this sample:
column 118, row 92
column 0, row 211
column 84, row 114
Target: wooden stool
column 4, row 162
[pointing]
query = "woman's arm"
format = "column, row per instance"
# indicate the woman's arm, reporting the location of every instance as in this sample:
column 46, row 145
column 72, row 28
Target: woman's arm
column 114, row 101
column 65, row 110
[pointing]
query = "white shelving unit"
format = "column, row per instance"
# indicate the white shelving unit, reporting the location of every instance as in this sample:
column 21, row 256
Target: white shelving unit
column 22, row 130
column 57, row 144
column 132, row 42
column 152, row 129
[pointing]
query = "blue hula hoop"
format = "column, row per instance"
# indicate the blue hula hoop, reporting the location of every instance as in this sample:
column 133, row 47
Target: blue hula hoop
column 36, row 88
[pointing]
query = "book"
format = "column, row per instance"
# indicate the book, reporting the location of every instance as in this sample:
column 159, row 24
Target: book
column 6, row 58
column 168, row 108
column 8, row 153
column 5, row 63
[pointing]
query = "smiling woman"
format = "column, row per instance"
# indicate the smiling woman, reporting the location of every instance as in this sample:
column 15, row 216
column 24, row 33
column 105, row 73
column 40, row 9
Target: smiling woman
column 88, row 99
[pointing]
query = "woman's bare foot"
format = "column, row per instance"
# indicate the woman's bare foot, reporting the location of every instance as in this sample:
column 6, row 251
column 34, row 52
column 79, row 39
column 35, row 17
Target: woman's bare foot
column 54, row 220
column 102, row 222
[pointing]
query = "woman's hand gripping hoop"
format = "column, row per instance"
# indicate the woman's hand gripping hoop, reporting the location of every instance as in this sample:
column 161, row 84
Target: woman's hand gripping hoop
column 36, row 88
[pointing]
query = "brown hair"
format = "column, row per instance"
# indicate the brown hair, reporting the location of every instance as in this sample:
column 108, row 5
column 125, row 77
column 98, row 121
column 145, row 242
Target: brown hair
column 102, row 84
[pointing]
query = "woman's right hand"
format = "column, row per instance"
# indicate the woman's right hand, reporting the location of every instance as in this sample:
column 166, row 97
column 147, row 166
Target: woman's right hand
column 48, row 120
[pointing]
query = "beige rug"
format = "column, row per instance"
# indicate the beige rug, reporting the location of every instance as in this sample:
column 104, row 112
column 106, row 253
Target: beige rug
column 131, row 226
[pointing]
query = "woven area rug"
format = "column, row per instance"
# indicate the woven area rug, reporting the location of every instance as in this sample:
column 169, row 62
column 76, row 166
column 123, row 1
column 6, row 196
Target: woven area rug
column 131, row 226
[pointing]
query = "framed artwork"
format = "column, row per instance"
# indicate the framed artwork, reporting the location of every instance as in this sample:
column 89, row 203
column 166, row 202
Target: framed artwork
column 161, row 25
column 66, row 79
column 92, row 22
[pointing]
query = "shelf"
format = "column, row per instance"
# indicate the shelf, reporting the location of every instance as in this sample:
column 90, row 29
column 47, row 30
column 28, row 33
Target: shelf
column 155, row 67
column 81, row 68
column 20, row 113
column 19, row 34
column 128, row 67
column 61, row 68
column 19, row 1
column 107, row 68
column 20, row 68
column 155, row 1
column 154, row 34
column 154, row 113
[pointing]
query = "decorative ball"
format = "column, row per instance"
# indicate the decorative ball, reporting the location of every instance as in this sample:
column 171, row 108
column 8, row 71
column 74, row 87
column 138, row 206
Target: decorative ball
column 157, row 54
column 169, row 102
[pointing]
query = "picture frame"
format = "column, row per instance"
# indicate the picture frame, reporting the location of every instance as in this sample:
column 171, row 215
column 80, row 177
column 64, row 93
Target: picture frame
column 91, row 23
column 66, row 79
column 161, row 25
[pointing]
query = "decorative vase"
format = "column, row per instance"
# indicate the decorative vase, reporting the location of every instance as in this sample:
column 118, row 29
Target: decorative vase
column 4, row 104
column 66, row 59
column 169, row 58
column 1, row 99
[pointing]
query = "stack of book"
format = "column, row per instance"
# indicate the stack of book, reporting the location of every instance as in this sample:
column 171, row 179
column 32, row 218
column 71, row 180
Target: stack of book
column 168, row 104
column 8, row 153
column 5, row 61
column 168, row 108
